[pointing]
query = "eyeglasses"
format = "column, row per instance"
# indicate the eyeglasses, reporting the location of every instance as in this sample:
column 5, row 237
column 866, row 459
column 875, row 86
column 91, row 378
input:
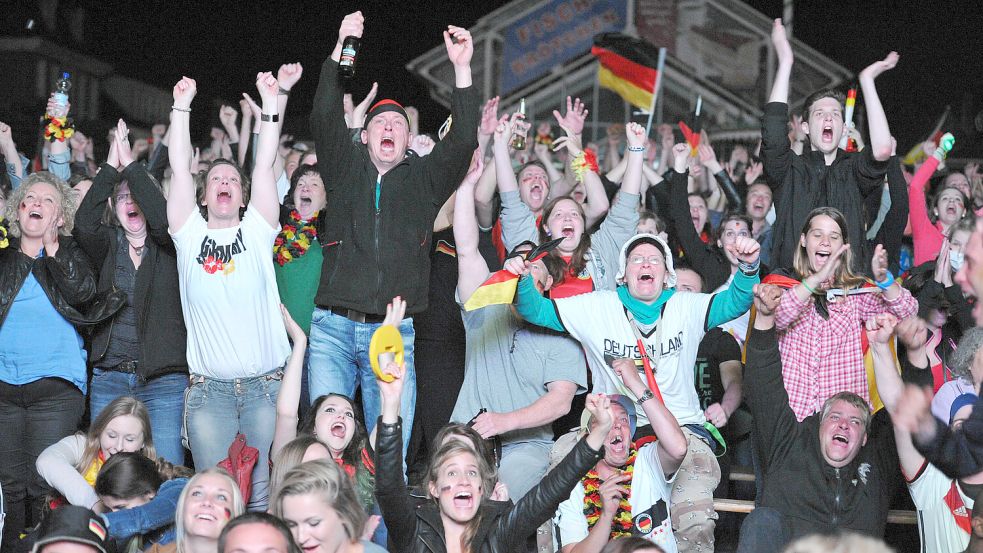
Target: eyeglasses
column 120, row 198
column 651, row 260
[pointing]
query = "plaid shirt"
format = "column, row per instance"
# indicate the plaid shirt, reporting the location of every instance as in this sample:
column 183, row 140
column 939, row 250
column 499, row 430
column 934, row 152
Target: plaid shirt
column 821, row 357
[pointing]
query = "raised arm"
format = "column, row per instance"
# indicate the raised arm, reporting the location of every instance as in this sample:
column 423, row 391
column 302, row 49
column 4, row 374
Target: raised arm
column 288, row 399
column 472, row 269
column 263, row 194
column 9, row 151
column 390, row 490
column 597, row 203
column 672, row 442
column 181, row 200
column 783, row 51
column 484, row 192
column 880, row 133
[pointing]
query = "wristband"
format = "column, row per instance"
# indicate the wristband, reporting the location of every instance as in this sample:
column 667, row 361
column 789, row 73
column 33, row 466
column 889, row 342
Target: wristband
column 645, row 397
column 749, row 269
column 887, row 282
column 283, row 91
column 185, row 110
column 636, row 148
column 270, row 117
column 809, row 288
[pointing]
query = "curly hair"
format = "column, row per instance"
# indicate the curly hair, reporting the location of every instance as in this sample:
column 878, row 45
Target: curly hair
column 961, row 363
column 66, row 208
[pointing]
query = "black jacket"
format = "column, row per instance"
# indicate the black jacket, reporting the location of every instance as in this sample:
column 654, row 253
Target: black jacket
column 66, row 279
column 801, row 183
column 706, row 259
column 957, row 454
column 160, row 324
column 373, row 254
column 504, row 528
column 813, row 496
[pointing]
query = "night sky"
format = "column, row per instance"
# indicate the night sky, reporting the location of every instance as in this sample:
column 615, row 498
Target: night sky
column 224, row 44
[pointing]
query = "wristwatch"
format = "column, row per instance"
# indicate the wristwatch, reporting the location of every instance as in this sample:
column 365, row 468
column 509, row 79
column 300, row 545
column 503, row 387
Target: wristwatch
column 645, row 397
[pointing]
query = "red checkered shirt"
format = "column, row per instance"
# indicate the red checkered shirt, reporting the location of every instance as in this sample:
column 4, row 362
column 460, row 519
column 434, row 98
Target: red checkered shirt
column 821, row 357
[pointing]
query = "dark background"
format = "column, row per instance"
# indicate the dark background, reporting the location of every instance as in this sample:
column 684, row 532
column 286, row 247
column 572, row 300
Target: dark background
column 223, row 44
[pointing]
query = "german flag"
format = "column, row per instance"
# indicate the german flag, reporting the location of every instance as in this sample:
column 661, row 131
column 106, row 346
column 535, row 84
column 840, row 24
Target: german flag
column 627, row 67
column 498, row 289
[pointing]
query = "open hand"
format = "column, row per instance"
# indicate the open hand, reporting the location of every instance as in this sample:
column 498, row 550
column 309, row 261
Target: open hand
column 878, row 263
column 123, row 144
column 599, row 406
column 489, row 117
column 573, row 120
column 825, row 274
column 293, row 329
column 359, row 111
column 874, row 70
column 395, row 312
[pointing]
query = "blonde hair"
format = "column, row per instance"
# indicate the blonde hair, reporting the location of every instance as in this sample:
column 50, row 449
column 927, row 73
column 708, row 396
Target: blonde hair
column 844, row 277
column 487, row 474
column 119, row 407
column 238, row 504
column 332, row 485
column 66, row 208
column 291, row 455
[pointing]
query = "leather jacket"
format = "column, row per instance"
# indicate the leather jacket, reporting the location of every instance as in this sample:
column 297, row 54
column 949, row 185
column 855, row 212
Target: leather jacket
column 504, row 528
column 66, row 279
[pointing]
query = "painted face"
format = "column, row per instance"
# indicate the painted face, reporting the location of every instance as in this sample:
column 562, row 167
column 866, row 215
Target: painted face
column 208, row 506
column 316, row 526
column 949, row 206
column 824, row 238
column 255, row 537
column 733, row 230
column 39, row 210
column 842, row 434
column 959, row 181
column 758, row 201
column 223, row 193
column 334, row 424
column 617, row 444
column 310, row 196
column 118, row 504
column 825, row 125
column 123, row 433
column 386, row 136
column 688, row 280
column 565, row 220
column 458, row 488
column 127, row 211
column 534, row 187
column 645, row 272
column 698, row 212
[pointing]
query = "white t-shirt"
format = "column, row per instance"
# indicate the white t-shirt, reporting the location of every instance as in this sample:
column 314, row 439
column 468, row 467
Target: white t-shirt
column 598, row 321
column 229, row 297
column 939, row 531
column 650, row 491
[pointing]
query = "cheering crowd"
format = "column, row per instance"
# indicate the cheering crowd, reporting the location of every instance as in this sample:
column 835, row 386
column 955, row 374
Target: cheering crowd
column 210, row 312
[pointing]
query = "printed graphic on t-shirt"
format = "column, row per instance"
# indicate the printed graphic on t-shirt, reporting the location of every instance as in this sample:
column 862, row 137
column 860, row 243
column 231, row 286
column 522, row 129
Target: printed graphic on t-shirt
column 215, row 258
column 617, row 349
column 653, row 524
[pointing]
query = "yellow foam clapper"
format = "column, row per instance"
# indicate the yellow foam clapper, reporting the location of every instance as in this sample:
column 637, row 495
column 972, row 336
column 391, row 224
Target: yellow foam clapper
column 386, row 339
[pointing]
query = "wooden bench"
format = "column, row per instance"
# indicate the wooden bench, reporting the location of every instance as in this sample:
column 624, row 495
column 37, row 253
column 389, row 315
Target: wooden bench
column 746, row 506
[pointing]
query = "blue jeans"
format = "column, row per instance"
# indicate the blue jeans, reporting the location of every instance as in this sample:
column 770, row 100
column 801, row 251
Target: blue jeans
column 340, row 363
column 763, row 531
column 163, row 396
column 216, row 410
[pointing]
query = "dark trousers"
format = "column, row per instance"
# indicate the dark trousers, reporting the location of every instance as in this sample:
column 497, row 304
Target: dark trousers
column 32, row 417
column 764, row 531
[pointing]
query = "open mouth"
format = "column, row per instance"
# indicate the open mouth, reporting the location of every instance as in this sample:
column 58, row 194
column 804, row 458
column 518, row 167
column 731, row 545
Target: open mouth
column 463, row 500
column 338, row 430
column 827, row 133
column 133, row 214
column 224, row 195
column 567, row 231
column 387, row 144
column 841, row 439
column 617, row 444
column 305, row 201
column 645, row 277
column 536, row 191
column 205, row 516
column 822, row 257
column 35, row 215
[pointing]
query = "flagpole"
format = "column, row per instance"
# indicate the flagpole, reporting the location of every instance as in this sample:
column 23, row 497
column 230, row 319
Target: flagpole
column 658, row 86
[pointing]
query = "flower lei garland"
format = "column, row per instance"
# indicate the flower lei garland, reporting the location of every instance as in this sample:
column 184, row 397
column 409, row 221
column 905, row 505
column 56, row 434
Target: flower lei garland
column 585, row 161
column 58, row 128
column 545, row 138
column 294, row 239
column 593, row 505
column 4, row 242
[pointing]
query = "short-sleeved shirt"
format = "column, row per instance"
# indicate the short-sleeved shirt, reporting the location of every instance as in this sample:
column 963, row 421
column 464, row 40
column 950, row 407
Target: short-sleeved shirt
column 939, row 501
column 598, row 321
column 229, row 297
column 717, row 347
column 508, row 364
column 650, row 491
